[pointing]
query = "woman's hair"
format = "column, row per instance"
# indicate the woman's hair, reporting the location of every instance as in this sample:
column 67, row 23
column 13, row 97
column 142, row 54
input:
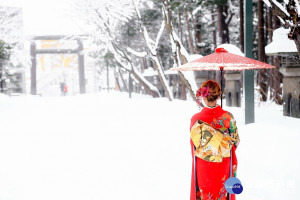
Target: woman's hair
column 214, row 90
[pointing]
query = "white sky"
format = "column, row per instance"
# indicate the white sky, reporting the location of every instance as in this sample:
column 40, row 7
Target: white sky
column 46, row 17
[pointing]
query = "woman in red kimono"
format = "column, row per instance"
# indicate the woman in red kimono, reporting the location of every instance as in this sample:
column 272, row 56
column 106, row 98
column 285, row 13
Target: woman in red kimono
column 211, row 176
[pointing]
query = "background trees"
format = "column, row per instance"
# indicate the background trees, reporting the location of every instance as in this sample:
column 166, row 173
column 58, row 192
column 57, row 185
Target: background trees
column 158, row 35
column 12, row 53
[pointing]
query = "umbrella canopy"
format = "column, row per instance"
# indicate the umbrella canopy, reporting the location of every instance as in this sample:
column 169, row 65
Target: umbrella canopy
column 223, row 60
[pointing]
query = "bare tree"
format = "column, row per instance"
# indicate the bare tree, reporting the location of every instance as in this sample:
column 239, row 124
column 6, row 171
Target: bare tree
column 225, row 15
column 179, row 52
column 153, row 54
column 11, row 32
column 129, row 67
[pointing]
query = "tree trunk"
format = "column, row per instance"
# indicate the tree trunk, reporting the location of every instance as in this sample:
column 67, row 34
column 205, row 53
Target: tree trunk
column 276, row 75
column 214, row 30
column 262, row 73
column 180, row 26
column 198, row 36
column 196, row 40
column 183, row 92
column 269, row 31
column 261, row 32
column 123, row 81
column 161, row 76
column 156, row 61
column 242, row 25
column 150, row 89
column 189, row 31
column 116, row 74
column 146, row 87
column 277, row 80
column 223, row 31
column 177, row 54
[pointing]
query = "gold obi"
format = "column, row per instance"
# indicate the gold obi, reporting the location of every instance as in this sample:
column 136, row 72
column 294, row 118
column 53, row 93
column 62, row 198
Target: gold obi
column 211, row 144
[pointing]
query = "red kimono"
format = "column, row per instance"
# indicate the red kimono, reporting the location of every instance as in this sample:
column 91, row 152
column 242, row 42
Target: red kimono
column 211, row 176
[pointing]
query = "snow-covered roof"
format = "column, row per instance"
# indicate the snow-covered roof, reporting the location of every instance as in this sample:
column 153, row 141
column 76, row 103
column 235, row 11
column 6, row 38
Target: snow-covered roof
column 193, row 57
column 232, row 49
column 281, row 44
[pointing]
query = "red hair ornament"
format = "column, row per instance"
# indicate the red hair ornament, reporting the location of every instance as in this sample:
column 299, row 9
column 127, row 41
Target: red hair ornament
column 202, row 92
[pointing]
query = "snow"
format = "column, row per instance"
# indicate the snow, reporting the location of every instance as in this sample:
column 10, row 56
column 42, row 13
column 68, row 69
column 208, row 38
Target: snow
column 107, row 146
column 297, row 6
column 197, row 9
column 150, row 85
column 189, row 75
column 182, row 48
column 162, row 75
column 160, row 32
column 281, row 7
column 268, row 3
column 281, row 43
column 138, row 54
column 151, row 72
column 281, row 20
column 153, row 48
column 193, row 57
column 137, row 9
column 232, row 49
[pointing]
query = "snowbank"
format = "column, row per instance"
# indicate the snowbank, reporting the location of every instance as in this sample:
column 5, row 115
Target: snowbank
column 107, row 146
column 281, row 43
column 4, row 98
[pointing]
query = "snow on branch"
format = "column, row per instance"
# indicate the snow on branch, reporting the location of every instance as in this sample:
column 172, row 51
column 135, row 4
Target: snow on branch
column 287, row 14
column 161, row 30
column 138, row 54
column 150, row 85
column 137, row 9
column 195, row 11
column 281, row 7
column 267, row 2
column 297, row 6
column 150, row 43
column 121, row 64
column 182, row 48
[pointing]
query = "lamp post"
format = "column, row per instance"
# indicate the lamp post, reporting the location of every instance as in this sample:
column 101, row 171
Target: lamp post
column 1, row 74
column 107, row 75
column 248, row 74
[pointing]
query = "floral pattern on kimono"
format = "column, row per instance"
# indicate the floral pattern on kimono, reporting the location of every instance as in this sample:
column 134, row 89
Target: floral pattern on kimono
column 227, row 124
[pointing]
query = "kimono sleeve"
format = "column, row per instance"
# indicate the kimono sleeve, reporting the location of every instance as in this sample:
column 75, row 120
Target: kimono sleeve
column 234, row 131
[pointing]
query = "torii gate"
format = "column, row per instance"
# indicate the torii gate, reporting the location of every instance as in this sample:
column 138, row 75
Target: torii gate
column 34, row 51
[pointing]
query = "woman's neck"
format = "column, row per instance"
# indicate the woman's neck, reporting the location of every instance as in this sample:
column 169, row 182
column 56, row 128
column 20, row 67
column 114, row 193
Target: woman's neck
column 211, row 104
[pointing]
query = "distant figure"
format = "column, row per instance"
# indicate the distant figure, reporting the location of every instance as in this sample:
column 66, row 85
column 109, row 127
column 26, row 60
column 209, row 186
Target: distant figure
column 65, row 89
column 62, row 89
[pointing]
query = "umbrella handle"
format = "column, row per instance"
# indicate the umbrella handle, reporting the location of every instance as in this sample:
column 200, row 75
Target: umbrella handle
column 221, row 69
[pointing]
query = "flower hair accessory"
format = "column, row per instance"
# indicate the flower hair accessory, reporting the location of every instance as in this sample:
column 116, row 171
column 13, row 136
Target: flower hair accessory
column 203, row 92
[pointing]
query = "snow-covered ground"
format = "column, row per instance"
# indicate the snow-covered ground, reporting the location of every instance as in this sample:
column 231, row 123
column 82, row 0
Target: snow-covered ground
column 107, row 146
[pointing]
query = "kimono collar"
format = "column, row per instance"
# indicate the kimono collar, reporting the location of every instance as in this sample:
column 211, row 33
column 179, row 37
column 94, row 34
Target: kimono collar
column 212, row 110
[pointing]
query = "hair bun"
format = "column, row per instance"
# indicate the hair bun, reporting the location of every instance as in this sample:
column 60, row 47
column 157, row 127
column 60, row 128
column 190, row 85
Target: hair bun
column 214, row 90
